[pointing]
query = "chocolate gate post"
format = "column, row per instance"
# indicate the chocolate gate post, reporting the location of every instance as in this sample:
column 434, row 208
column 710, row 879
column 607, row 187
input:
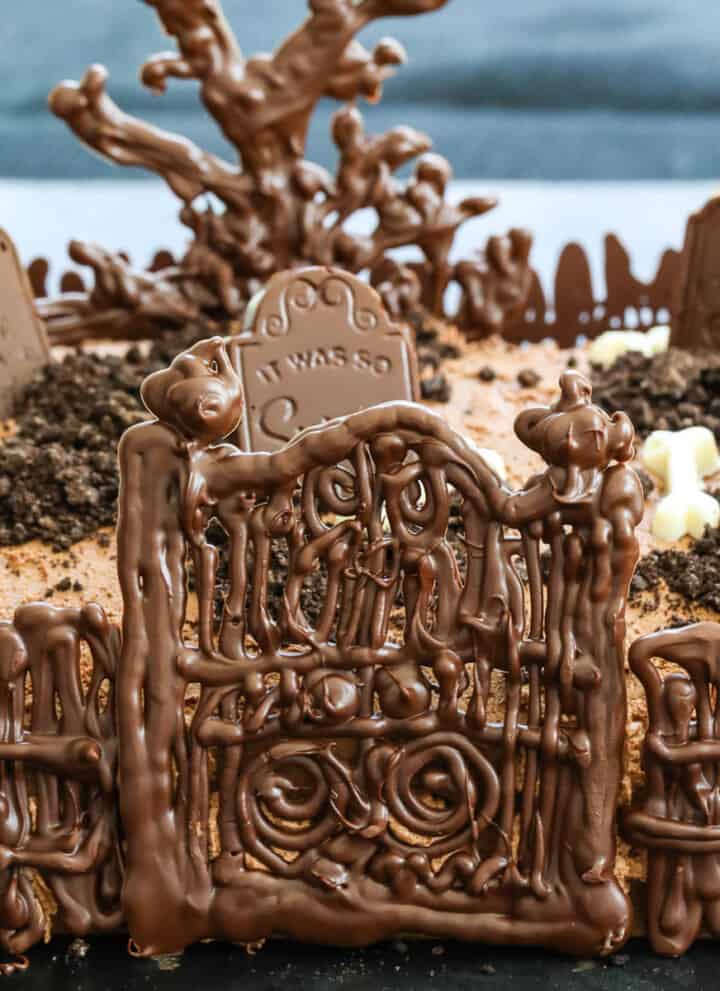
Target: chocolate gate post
column 696, row 314
column 319, row 344
column 23, row 345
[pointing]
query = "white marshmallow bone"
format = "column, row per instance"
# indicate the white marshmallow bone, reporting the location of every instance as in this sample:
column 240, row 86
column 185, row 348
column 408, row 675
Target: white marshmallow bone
column 612, row 343
column 682, row 459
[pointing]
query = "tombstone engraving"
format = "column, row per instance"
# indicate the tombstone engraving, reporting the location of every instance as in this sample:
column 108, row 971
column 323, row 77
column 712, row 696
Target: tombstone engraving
column 23, row 344
column 696, row 314
column 319, row 344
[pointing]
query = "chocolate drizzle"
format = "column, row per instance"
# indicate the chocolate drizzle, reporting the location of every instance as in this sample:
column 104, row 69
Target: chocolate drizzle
column 322, row 777
column 676, row 816
column 58, row 752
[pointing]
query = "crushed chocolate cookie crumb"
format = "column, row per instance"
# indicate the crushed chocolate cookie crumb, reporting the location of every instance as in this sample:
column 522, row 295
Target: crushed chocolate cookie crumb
column 528, row 378
column 692, row 573
column 425, row 333
column 668, row 391
column 436, row 388
column 448, row 352
column 427, row 358
column 58, row 471
column 487, row 374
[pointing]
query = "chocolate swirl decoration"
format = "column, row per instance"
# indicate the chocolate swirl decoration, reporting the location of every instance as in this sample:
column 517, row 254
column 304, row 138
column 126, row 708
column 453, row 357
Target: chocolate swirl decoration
column 299, row 295
column 336, row 292
column 317, row 287
column 286, row 798
column 440, row 789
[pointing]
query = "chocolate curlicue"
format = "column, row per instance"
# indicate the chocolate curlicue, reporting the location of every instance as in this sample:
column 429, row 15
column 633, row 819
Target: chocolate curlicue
column 328, row 778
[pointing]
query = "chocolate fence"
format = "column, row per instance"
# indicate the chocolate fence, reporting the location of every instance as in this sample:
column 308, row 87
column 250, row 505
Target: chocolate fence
column 498, row 293
column 417, row 733
column 675, row 815
column 59, row 842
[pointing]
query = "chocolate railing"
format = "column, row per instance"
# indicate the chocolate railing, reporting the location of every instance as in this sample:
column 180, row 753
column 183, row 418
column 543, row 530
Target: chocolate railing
column 675, row 815
column 409, row 736
column 59, row 843
column 571, row 311
column 575, row 311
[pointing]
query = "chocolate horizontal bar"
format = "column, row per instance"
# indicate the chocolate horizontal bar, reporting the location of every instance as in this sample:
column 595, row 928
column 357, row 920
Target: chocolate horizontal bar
column 435, row 746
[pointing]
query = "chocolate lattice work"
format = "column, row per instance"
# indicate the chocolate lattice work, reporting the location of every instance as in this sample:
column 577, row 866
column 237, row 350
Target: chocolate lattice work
column 433, row 746
column 59, row 847
column 677, row 816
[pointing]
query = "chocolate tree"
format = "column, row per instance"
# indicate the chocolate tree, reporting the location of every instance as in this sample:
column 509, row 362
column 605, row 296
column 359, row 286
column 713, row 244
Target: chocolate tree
column 278, row 209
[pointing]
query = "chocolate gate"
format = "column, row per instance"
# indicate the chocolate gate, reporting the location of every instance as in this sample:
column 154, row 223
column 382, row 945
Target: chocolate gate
column 390, row 723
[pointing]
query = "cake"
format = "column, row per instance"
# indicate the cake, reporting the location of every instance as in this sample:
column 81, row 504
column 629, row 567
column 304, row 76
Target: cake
column 396, row 699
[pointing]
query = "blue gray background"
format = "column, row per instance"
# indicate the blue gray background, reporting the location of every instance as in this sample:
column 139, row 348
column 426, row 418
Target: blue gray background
column 535, row 89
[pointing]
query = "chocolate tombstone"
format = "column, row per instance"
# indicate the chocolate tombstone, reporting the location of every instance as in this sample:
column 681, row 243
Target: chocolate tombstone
column 319, row 344
column 23, row 345
column 696, row 317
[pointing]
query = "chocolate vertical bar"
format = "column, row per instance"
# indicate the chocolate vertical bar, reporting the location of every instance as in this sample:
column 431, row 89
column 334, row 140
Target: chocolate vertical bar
column 23, row 345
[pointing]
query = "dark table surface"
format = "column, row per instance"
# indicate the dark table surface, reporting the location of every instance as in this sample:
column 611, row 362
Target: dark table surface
column 406, row 965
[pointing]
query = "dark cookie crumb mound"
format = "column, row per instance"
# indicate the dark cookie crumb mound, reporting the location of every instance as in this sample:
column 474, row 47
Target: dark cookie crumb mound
column 669, row 391
column 693, row 574
column 58, row 472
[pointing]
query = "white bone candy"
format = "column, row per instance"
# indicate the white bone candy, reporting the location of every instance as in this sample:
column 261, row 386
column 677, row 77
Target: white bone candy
column 682, row 459
column 612, row 343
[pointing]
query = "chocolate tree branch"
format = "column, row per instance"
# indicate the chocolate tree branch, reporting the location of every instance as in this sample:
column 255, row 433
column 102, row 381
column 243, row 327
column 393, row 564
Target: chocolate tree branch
column 247, row 97
column 125, row 140
column 278, row 210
